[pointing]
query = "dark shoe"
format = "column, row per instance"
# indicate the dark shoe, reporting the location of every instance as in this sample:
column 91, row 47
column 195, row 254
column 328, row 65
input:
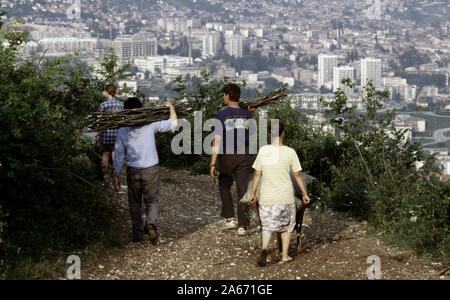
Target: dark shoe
column 138, row 240
column 151, row 231
column 262, row 259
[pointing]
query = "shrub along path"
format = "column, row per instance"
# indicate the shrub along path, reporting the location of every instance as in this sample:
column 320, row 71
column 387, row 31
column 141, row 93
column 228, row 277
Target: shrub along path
column 193, row 245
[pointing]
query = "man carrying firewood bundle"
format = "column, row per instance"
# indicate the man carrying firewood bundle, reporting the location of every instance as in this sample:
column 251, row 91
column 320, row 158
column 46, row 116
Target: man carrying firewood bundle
column 231, row 146
column 137, row 145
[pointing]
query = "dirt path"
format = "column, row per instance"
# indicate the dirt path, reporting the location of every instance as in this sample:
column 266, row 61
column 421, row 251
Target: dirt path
column 193, row 245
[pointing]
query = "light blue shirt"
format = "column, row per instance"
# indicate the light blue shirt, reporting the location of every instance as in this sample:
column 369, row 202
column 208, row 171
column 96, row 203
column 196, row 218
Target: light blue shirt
column 137, row 145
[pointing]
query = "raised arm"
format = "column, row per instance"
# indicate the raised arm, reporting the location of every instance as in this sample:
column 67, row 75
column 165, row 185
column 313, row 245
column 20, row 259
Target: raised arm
column 173, row 113
column 167, row 125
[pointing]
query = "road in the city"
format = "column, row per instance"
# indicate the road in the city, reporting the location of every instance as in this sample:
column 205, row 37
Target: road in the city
column 439, row 136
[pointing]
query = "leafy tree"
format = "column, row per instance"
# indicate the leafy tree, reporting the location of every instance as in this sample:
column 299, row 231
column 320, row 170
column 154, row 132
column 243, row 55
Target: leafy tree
column 51, row 198
column 110, row 73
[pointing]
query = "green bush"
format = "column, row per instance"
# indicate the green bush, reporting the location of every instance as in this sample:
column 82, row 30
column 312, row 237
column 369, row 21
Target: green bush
column 371, row 173
column 51, row 198
column 377, row 179
column 418, row 219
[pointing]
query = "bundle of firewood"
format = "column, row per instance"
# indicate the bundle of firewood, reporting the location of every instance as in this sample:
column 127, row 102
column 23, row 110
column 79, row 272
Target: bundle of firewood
column 275, row 97
column 134, row 117
column 143, row 116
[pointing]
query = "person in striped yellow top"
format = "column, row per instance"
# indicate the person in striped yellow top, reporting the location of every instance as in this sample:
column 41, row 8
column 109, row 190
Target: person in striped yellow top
column 277, row 201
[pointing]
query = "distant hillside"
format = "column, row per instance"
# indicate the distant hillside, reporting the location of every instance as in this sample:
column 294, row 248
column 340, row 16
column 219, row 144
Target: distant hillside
column 420, row 12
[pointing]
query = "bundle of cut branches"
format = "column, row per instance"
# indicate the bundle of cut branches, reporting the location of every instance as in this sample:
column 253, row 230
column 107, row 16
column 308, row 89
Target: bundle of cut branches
column 133, row 117
column 276, row 96
column 143, row 116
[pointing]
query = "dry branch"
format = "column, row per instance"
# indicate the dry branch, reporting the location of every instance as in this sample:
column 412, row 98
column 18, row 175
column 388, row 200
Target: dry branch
column 143, row 116
column 133, row 117
column 276, row 96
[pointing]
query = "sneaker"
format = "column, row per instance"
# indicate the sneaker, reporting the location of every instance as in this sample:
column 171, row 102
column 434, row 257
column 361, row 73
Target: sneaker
column 241, row 231
column 262, row 259
column 230, row 224
column 151, row 231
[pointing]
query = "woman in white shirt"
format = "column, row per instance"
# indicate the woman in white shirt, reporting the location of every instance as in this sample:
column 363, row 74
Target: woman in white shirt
column 277, row 204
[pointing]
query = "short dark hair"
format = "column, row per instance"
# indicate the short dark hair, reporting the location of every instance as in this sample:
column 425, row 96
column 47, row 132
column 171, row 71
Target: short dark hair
column 232, row 90
column 132, row 103
column 280, row 127
column 111, row 89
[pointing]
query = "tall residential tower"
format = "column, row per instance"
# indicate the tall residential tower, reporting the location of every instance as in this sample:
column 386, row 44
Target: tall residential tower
column 371, row 69
column 326, row 68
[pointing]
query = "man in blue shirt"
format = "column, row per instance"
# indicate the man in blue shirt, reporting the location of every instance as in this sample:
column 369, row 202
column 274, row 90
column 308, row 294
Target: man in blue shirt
column 137, row 146
column 107, row 137
column 231, row 146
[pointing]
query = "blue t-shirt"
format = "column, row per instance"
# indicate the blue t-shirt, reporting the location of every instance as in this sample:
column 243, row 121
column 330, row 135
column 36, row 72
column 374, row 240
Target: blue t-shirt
column 235, row 125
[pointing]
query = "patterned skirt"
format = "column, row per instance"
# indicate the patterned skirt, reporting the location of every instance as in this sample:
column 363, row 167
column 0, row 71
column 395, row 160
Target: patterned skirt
column 278, row 218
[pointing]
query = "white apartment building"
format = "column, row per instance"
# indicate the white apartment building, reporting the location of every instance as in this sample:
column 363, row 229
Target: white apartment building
column 398, row 85
column 284, row 78
column 429, row 91
column 428, row 67
column 311, row 100
column 150, row 63
column 259, row 33
column 183, row 71
column 234, row 45
column 194, row 23
column 66, row 45
column 339, row 74
column 394, row 81
column 176, row 25
column 211, row 44
column 371, row 69
column 249, row 76
column 304, row 76
column 446, row 166
column 416, row 124
column 128, row 47
column 162, row 63
column 408, row 92
column 39, row 32
column 177, row 61
column 326, row 67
